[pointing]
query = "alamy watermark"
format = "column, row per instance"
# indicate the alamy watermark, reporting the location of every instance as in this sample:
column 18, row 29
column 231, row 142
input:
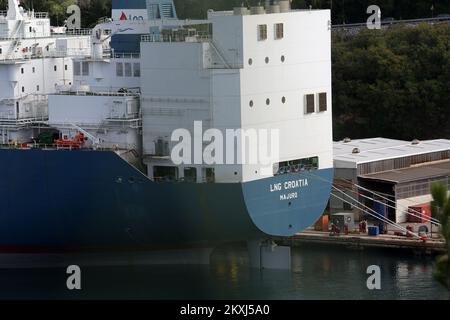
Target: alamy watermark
column 74, row 20
column 226, row 146
column 73, row 281
column 374, row 280
column 374, row 20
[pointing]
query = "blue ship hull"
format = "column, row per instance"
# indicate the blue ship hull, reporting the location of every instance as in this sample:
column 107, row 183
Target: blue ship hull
column 95, row 199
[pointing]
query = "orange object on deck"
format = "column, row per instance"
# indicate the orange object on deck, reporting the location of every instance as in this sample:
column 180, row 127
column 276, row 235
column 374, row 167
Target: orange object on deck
column 322, row 224
column 75, row 143
column 420, row 213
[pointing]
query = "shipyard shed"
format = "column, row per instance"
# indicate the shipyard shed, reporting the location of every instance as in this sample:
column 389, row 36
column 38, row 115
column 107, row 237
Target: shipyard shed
column 401, row 171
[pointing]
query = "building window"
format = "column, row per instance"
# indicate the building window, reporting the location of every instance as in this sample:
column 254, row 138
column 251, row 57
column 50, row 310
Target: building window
column 33, row 70
column 262, row 32
column 297, row 165
column 85, row 68
column 76, row 68
column 128, row 69
column 279, row 31
column 23, row 89
column 54, row 68
column 119, row 69
column 1, row 51
column 37, row 88
column 22, row 71
column 65, row 67
column 137, row 69
column 309, row 99
column 323, row 102
column 190, row 175
column 283, row 100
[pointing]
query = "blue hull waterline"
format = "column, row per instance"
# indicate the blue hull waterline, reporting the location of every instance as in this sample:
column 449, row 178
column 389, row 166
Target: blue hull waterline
column 95, row 199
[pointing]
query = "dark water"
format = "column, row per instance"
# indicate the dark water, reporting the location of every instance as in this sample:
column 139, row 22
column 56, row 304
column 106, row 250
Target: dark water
column 317, row 273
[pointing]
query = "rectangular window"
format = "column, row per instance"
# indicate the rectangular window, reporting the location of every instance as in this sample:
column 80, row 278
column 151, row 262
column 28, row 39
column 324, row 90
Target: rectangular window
column 34, row 69
column 37, row 88
column 262, row 32
column 137, row 69
column 279, row 31
column 323, row 102
column 119, row 69
column 76, row 68
column 128, row 69
column 309, row 100
column 22, row 71
column 85, row 68
column 65, row 67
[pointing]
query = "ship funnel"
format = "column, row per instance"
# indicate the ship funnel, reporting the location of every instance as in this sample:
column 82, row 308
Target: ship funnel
column 285, row 5
column 257, row 10
column 14, row 12
column 240, row 11
column 274, row 8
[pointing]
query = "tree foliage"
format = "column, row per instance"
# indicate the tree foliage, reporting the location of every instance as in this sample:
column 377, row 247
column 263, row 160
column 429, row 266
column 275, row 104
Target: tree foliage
column 343, row 11
column 393, row 83
column 440, row 207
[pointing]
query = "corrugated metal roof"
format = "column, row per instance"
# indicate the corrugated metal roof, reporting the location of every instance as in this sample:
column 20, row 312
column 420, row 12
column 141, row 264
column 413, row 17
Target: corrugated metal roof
column 377, row 149
column 436, row 170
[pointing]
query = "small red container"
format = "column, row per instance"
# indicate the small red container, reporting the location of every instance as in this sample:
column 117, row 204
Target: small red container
column 423, row 213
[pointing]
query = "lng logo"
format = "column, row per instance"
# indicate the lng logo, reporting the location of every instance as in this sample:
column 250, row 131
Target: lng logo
column 129, row 15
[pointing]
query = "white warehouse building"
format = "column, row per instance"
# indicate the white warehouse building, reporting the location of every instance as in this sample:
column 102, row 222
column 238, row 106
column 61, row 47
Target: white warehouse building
column 399, row 170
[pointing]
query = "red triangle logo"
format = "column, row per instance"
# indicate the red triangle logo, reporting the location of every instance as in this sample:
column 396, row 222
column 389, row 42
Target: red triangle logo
column 123, row 16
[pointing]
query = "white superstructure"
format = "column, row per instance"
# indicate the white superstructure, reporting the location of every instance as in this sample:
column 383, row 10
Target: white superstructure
column 34, row 62
column 258, row 69
column 134, row 82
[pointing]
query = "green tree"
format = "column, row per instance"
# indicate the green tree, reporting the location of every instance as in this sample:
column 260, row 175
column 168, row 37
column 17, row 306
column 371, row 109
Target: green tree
column 440, row 207
column 393, row 83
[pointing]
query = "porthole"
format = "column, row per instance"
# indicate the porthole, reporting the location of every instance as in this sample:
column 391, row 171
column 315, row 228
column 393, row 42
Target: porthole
column 283, row 58
column 283, row 100
column 251, row 104
column 250, row 61
column 267, row 60
column 268, row 101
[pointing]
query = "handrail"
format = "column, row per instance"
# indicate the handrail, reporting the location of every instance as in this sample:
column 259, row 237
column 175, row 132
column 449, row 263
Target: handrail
column 393, row 22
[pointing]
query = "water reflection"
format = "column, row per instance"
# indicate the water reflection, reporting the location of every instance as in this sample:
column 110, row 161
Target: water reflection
column 318, row 272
